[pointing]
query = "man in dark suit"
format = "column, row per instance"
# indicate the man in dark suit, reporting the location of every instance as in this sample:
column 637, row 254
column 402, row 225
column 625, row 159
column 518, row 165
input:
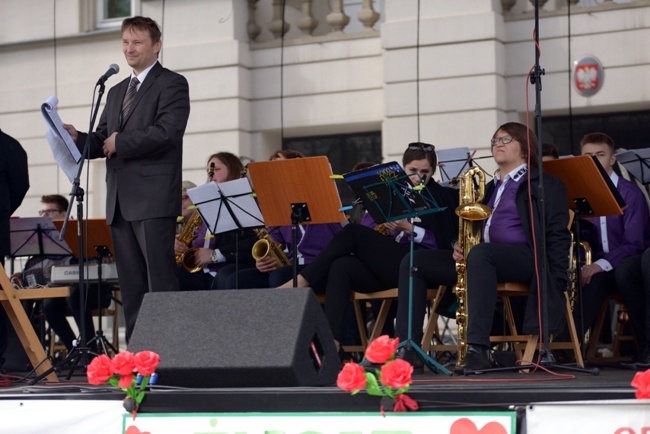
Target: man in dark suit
column 14, row 183
column 140, row 133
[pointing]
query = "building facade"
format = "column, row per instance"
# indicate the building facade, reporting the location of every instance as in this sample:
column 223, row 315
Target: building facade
column 438, row 71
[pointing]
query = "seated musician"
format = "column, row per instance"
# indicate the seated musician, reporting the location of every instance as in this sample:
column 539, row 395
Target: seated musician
column 211, row 253
column 37, row 273
column 361, row 259
column 504, row 255
column 268, row 273
column 612, row 238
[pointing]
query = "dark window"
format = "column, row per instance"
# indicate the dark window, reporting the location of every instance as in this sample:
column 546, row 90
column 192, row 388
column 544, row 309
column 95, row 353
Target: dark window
column 630, row 130
column 343, row 152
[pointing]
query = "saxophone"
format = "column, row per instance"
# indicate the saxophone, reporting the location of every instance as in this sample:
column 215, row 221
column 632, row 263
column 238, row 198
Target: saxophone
column 186, row 259
column 574, row 260
column 471, row 213
column 266, row 246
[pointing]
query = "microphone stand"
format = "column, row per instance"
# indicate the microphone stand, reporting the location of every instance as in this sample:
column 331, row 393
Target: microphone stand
column 80, row 352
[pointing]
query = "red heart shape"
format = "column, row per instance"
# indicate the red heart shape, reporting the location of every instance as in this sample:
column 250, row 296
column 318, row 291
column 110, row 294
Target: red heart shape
column 466, row 426
column 135, row 430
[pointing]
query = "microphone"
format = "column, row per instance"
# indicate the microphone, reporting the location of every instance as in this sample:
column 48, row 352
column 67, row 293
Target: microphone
column 112, row 70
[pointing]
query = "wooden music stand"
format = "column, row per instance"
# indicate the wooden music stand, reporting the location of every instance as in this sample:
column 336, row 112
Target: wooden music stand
column 98, row 234
column 589, row 189
column 282, row 186
column 11, row 302
column 295, row 191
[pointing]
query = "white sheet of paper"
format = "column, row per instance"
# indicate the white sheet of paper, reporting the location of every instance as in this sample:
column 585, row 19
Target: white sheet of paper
column 25, row 237
column 65, row 152
column 210, row 200
column 452, row 163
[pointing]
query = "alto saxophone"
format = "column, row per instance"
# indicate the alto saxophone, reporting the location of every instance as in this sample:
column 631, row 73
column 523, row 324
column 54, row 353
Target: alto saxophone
column 471, row 213
column 267, row 246
column 186, row 259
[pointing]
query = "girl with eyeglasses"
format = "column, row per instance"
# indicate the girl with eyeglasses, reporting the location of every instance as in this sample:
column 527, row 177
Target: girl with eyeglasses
column 506, row 252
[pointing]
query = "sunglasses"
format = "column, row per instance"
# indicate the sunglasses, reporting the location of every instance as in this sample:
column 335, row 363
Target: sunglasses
column 417, row 146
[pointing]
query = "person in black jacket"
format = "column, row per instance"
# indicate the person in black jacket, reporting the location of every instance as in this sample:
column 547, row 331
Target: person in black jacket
column 14, row 183
column 361, row 259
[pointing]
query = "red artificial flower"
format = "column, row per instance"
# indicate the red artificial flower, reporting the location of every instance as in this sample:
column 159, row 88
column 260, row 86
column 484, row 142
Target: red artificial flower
column 397, row 373
column 123, row 363
column 146, row 362
column 382, row 349
column 352, row 377
column 404, row 402
column 125, row 381
column 99, row 370
column 641, row 382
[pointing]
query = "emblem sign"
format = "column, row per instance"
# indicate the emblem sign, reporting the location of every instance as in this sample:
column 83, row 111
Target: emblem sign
column 588, row 75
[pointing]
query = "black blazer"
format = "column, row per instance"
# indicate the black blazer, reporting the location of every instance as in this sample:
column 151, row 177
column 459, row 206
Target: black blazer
column 14, row 183
column 144, row 175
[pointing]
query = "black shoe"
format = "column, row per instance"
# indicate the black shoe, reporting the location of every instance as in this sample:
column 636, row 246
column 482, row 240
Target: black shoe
column 640, row 362
column 410, row 356
column 477, row 358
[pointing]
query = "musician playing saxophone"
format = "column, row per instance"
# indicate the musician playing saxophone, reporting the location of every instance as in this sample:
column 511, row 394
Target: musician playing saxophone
column 214, row 252
column 506, row 253
column 267, row 273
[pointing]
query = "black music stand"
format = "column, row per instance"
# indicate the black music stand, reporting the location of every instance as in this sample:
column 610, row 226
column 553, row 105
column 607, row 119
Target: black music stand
column 452, row 163
column 637, row 162
column 97, row 246
column 225, row 207
column 388, row 194
column 36, row 236
column 295, row 191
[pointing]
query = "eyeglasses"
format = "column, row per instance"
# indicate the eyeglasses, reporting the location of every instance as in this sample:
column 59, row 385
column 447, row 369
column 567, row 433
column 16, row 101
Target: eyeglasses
column 184, row 197
column 505, row 140
column 417, row 146
column 48, row 211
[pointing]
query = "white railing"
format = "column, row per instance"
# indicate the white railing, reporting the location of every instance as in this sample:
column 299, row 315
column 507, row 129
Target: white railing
column 272, row 20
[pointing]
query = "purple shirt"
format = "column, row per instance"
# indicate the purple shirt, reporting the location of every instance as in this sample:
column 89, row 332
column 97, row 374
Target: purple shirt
column 505, row 224
column 424, row 238
column 626, row 234
column 312, row 239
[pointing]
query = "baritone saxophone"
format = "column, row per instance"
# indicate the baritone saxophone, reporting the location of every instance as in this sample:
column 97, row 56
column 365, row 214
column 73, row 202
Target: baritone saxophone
column 471, row 213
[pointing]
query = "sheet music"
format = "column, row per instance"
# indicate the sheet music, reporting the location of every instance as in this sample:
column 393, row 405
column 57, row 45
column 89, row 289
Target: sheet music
column 36, row 236
column 223, row 206
column 452, row 163
column 65, row 152
column 637, row 163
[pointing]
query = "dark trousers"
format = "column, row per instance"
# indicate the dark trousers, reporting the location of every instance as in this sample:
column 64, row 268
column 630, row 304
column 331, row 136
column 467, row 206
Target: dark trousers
column 144, row 251
column 591, row 298
column 633, row 280
column 251, row 278
column 199, row 281
column 487, row 265
column 432, row 268
column 357, row 259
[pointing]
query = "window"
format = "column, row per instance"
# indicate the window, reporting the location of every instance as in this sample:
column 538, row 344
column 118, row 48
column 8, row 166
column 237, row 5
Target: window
column 110, row 13
column 343, row 152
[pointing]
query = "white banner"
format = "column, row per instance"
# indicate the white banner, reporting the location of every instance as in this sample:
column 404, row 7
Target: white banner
column 589, row 417
column 330, row 423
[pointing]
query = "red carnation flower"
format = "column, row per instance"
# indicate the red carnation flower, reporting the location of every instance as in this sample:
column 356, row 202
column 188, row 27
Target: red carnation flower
column 397, row 373
column 382, row 349
column 641, row 382
column 146, row 362
column 351, row 378
column 123, row 363
column 99, row 370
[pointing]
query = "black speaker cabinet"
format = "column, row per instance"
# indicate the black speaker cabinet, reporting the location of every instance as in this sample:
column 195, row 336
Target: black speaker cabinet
column 237, row 338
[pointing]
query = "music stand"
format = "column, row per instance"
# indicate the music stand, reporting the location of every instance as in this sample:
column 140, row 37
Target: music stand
column 36, row 236
column 227, row 207
column 300, row 190
column 590, row 193
column 98, row 245
column 452, row 163
column 388, row 194
column 636, row 162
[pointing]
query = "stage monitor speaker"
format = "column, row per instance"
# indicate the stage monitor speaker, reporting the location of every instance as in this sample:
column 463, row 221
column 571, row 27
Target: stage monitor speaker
column 237, row 338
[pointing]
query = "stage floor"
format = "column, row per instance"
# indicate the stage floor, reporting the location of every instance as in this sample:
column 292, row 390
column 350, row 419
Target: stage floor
column 434, row 392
